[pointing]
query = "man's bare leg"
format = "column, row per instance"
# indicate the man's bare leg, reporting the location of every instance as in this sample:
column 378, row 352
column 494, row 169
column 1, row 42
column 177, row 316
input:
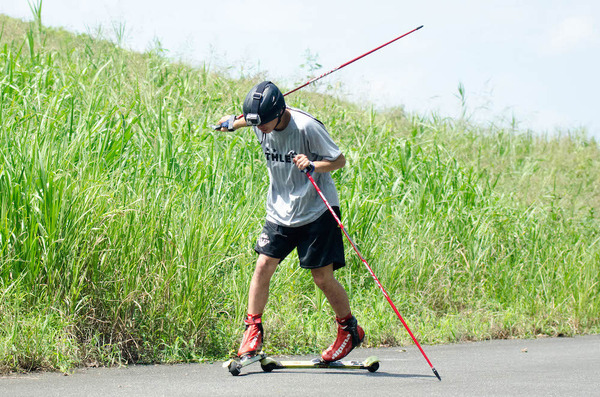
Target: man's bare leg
column 333, row 290
column 258, row 294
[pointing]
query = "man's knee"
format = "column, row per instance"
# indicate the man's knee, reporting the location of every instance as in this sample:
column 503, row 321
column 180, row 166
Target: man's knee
column 323, row 277
column 265, row 266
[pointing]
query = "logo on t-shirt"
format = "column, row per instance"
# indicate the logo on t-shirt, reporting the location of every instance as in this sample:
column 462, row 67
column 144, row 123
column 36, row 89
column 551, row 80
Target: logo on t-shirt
column 273, row 155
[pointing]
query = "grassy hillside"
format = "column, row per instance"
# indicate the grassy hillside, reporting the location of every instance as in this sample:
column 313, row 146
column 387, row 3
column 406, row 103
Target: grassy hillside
column 127, row 225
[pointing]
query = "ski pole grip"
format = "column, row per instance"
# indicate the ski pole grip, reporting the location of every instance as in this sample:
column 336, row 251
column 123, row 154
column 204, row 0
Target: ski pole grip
column 292, row 154
column 226, row 124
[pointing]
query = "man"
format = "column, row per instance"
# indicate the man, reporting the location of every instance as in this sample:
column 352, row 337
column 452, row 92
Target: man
column 296, row 215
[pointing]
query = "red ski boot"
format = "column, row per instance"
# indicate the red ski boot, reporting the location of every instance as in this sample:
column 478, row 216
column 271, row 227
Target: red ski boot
column 349, row 336
column 253, row 336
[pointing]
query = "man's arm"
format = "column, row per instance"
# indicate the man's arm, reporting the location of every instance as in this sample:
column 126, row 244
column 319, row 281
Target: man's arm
column 303, row 162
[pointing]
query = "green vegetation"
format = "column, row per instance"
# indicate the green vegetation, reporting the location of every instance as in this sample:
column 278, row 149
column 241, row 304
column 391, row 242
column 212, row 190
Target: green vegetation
column 127, row 225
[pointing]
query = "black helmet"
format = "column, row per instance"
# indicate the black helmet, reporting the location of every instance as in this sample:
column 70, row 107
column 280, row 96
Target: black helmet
column 263, row 103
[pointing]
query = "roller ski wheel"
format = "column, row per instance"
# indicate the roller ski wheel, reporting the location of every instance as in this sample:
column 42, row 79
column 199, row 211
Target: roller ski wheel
column 372, row 364
column 235, row 365
column 268, row 364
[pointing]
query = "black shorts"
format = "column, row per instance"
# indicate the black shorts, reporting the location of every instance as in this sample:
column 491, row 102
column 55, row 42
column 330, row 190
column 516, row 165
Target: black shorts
column 318, row 243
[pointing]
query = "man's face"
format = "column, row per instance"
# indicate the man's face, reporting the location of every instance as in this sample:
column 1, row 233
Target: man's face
column 268, row 127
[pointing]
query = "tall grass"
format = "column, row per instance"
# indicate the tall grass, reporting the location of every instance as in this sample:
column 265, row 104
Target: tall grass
column 127, row 225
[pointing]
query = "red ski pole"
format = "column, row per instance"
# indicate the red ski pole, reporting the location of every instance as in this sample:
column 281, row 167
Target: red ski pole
column 369, row 268
column 349, row 62
column 229, row 123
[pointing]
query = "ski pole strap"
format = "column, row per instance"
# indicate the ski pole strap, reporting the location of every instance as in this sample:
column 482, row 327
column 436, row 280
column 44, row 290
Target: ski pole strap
column 308, row 170
column 229, row 123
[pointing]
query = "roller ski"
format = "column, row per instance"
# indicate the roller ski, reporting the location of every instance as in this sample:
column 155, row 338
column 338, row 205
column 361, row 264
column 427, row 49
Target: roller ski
column 349, row 336
column 269, row 364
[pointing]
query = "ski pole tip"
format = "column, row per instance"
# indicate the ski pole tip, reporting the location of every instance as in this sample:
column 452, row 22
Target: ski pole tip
column 419, row 27
column 436, row 373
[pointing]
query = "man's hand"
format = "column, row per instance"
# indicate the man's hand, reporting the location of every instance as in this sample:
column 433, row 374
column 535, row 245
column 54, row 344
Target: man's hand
column 225, row 123
column 230, row 123
column 303, row 163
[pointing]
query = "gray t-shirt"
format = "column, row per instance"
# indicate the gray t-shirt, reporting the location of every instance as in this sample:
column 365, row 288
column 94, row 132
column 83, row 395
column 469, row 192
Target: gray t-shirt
column 292, row 199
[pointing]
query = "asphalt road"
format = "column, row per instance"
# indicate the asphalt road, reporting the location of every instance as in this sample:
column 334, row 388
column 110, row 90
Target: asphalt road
column 540, row 367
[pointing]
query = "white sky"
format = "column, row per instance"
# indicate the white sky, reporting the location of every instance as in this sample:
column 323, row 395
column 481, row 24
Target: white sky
column 536, row 61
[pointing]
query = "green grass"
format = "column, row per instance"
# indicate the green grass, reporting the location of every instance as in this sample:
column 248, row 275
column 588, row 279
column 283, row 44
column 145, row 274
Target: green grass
column 127, row 224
